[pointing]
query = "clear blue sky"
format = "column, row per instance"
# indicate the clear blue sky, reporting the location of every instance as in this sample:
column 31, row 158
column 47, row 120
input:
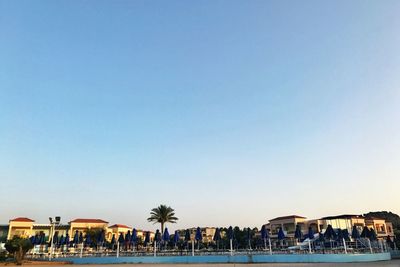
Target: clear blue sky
column 232, row 112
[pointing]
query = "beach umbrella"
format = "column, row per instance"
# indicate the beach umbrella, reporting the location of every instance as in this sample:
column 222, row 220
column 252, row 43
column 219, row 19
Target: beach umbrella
column 166, row 235
column 176, row 237
column 62, row 240
column 113, row 241
column 66, row 240
column 354, row 233
column 80, row 237
column 365, row 232
column 147, row 238
column 101, row 237
column 230, row 233
column 217, row 235
column 75, row 241
column 42, row 238
column 249, row 235
column 281, row 234
column 263, row 232
column 187, row 235
column 134, row 236
column 88, row 240
column 297, row 233
column 121, row 238
column 32, row 239
column 310, row 234
column 127, row 239
column 128, row 236
column 54, row 240
column 346, row 236
column 198, row 236
column 329, row 233
column 321, row 237
column 339, row 234
column 36, row 240
column 265, row 236
column 372, row 235
column 157, row 236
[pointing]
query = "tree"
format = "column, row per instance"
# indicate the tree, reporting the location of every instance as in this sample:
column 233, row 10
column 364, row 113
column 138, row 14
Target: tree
column 162, row 214
column 18, row 247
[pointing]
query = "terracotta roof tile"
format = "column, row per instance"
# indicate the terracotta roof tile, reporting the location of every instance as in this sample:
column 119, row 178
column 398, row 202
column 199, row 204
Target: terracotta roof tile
column 119, row 226
column 21, row 219
column 287, row 217
column 80, row 220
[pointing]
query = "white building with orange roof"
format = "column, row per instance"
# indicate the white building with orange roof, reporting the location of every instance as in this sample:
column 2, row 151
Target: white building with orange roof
column 116, row 230
column 20, row 226
column 81, row 225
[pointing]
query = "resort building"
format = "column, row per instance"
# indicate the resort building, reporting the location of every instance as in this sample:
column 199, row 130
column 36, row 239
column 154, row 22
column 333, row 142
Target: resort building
column 20, row 226
column 81, row 225
column 288, row 225
column 382, row 228
column 116, row 230
column 345, row 221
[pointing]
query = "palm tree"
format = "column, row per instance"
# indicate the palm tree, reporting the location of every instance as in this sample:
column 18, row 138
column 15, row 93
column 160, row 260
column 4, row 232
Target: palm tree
column 162, row 214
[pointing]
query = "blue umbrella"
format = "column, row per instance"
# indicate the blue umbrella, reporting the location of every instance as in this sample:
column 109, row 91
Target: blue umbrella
column 263, row 232
column 310, row 234
column 76, row 238
column 217, row 234
column 36, row 240
column 147, row 238
column 345, row 233
column 66, row 240
column 80, row 237
column 281, row 234
column 42, row 239
column 55, row 239
column 355, row 234
column 134, row 236
column 365, row 232
column 113, row 241
column 198, row 236
column 176, row 237
column 101, row 237
column 321, row 237
column 339, row 234
column 121, row 238
column 372, row 235
column 166, row 235
column 329, row 233
column 230, row 233
column 128, row 236
column 297, row 233
column 187, row 235
column 249, row 236
column 157, row 236
column 88, row 240
column 62, row 240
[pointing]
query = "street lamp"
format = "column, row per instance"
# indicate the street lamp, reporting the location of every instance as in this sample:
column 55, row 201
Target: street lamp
column 53, row 224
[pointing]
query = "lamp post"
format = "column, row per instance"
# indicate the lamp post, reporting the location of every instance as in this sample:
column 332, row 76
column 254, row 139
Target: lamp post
column 53, row 224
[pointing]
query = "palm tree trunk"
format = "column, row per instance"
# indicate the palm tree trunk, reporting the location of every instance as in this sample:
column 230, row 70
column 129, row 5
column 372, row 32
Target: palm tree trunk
column 162, row 228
